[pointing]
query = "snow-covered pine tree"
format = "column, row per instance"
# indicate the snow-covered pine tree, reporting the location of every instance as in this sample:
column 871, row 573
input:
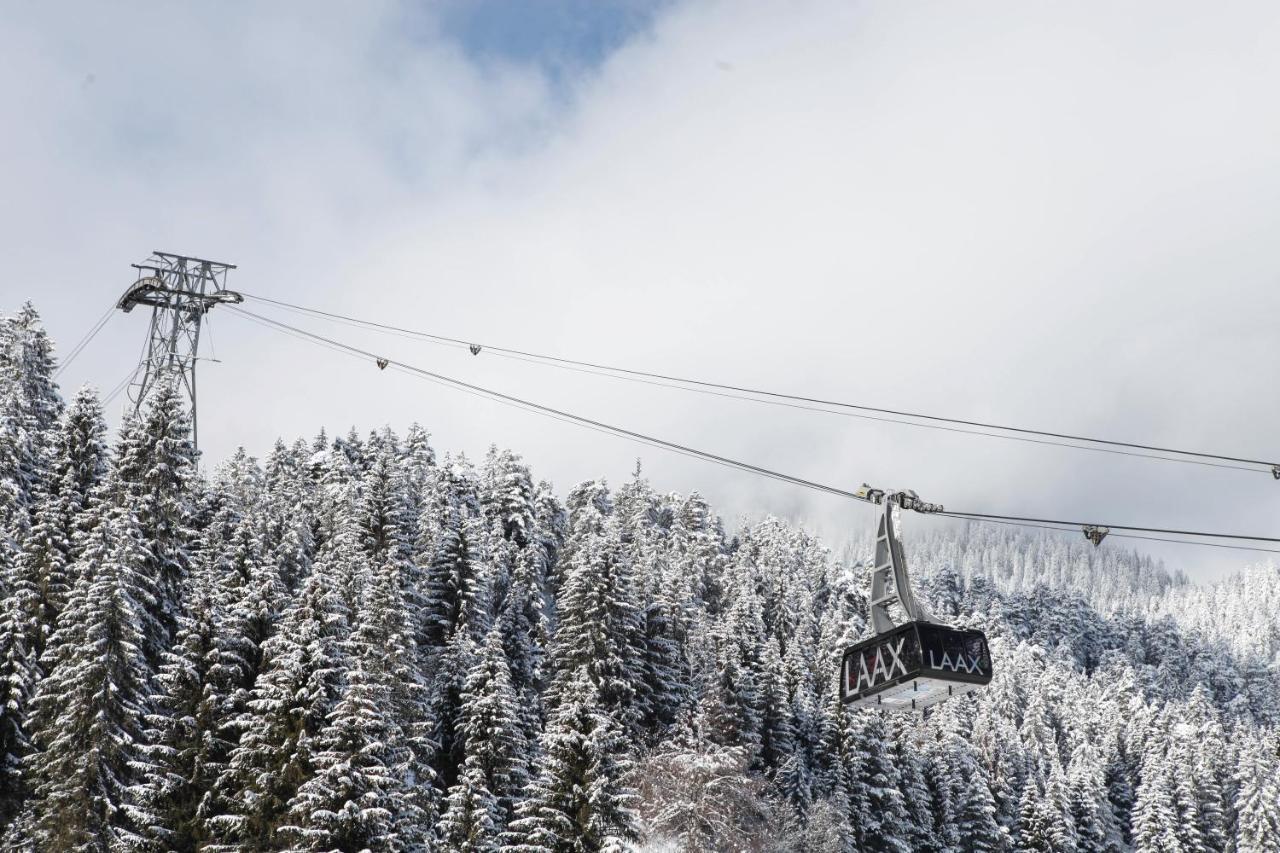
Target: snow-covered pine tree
column 577, row 803
column 729, row 677
column 1257, row 803
column 29, row 408
column 666, row 686
column 250, row 595
column 507, row 495
column 665, row 690
column 419, row 458
column 599, row 628
column 974, row 809
column 89, row 710
column 155, row 473
column 361, row 792
column 187, row 739
column 522, row 622
column 917, row 799
column 18, row 678
column 494, row 772
column 77, row 468
column 386, row 506
column 300, row 681
column 1034, row 832
column 289, row 513
column 1090, row 808
column 1207, row 749
column 880, row 814
column 1155, row 815
column 456, row 590
column 777, row 726
column 699, row 552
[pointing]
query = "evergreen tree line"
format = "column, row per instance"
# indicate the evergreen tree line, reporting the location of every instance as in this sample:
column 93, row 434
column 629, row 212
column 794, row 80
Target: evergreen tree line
column 356, row 645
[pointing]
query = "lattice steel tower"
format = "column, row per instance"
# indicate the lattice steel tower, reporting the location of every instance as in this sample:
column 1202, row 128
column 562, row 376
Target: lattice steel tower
column 180, row 291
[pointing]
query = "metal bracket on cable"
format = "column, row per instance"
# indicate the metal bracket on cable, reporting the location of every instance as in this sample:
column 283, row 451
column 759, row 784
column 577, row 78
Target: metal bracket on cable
column 1095, row 533
column 890, row 581
column 1275, row 471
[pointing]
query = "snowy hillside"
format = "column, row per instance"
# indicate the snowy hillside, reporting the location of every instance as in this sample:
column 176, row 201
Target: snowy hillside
column 363, row 643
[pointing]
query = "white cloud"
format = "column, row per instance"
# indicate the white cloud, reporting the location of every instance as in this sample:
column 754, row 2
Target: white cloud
column 1053, row 216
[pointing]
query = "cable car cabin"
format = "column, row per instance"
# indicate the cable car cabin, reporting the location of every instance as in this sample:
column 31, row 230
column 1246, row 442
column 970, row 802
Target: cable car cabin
column 913, row 666
column 919, row 661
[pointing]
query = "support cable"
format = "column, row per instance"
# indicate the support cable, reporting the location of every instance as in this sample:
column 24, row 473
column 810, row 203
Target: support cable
column 84, row 341
column 500, row 353
column 121, row 385
column 863, row 495
column 1269, row 465
column 776, row 397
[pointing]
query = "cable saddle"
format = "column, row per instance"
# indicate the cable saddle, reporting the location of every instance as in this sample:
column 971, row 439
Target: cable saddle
column 1095, row 533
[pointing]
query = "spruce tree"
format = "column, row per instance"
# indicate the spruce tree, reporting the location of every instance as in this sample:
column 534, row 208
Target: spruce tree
column 29, row 408
column 36, row 581
column 155, row 474
column 1257, row 802
column 1034, row 831
column 974, row 808
column 599, row 628
column 299, row 685
column 881, row 815
column 577, row 803
column 290, row 511
column 360, row 794
column 18, row 678
column 523, row 623
column 90, row 709
column 77, row 468
column 482, row 801
column 1155, row 817
column 188, row 741
column 456, row 589
column 1090, row 809
column 507, row 495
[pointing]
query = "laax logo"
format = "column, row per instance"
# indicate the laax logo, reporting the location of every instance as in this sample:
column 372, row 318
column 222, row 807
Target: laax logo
column 960, row 663
column 880, row 672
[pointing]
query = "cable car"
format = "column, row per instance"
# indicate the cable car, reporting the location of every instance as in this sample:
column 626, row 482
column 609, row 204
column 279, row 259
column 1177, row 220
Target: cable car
column 921, row 661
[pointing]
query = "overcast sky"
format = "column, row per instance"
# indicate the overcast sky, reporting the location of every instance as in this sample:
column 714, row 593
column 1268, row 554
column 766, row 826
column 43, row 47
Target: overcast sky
column 1065, row 216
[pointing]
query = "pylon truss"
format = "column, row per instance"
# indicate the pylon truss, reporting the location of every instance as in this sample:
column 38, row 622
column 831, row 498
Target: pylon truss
column 180, row 291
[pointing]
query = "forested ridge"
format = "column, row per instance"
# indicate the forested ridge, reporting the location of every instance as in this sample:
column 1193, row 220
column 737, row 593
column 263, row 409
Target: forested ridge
column 358, row 643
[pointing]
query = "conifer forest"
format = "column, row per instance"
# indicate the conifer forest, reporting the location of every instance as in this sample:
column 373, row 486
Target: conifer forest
column 365, row 642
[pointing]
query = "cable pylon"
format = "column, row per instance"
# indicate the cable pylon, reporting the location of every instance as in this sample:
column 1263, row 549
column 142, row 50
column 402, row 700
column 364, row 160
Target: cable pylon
column 180, row 290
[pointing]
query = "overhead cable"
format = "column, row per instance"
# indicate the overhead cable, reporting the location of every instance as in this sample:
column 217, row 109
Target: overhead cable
column 559, row 414
column 84, row 341
column 835, row 407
